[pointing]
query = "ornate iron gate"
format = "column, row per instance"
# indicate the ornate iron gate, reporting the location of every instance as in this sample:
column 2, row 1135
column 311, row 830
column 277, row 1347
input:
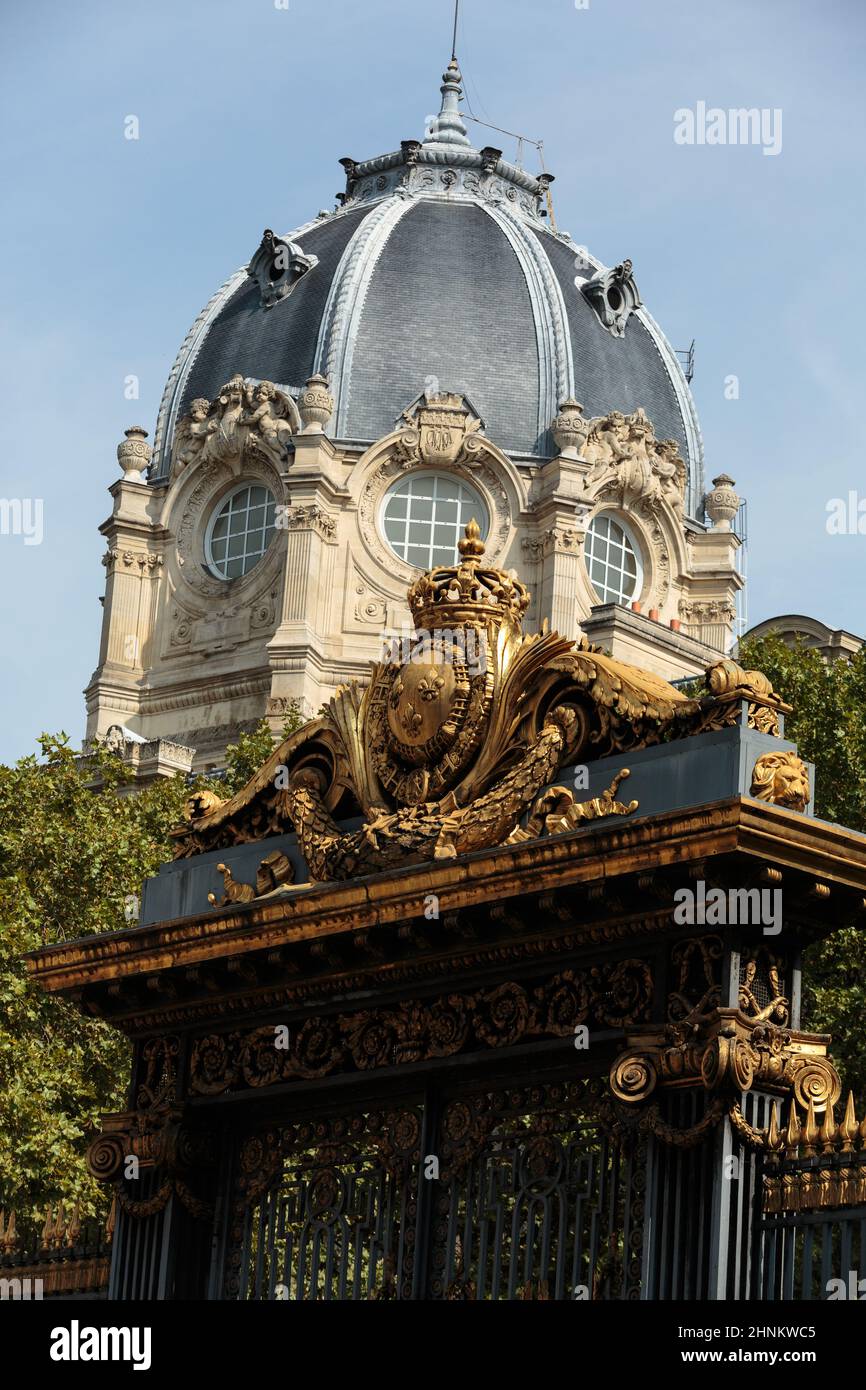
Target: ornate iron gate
column 812, row 1232
column 802, row 1253
column 492, row 1195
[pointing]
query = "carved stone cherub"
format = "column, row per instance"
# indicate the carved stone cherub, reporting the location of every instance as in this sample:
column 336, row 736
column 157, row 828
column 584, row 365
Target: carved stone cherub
column 222, row 440
column 641, row 436
column 191, row 434
column 273, row 430
column 671, row 471
column 604, row 447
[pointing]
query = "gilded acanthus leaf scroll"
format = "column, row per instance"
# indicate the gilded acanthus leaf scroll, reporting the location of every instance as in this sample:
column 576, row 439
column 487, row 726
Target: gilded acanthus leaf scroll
column 456, row 741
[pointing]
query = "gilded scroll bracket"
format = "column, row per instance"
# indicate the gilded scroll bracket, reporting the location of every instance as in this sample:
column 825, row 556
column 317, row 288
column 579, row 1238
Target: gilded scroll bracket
column 727, row 1054
column 157, row 1136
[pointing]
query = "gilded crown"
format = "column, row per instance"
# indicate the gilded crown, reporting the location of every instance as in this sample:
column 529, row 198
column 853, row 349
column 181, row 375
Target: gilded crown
column 465, row 593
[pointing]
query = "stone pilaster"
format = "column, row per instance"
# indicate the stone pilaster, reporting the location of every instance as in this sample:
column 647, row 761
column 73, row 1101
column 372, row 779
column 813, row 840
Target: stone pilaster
column 297, row 650
column 556, row 544
column 707, row 606
column 134, row 567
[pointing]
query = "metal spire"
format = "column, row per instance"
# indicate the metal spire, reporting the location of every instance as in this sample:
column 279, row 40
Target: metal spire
column 448, row 127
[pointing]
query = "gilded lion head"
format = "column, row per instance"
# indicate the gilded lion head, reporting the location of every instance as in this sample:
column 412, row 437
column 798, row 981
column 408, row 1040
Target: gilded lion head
column 783, row 779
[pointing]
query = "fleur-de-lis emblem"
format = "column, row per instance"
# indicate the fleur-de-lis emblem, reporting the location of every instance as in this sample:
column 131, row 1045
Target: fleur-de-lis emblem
column 430, row 686
column 410, row 718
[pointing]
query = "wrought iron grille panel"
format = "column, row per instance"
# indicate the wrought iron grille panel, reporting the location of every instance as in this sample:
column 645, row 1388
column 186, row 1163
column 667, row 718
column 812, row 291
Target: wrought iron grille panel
column 683, row 1261
column 813, row 1227
column 138, row 1266
column 545, row 1208
column 338, row 1220
column 529, row 1201
column 803, row 1251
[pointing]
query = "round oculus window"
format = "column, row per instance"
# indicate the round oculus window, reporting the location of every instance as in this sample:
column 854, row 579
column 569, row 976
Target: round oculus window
column 240, row 531
column 426, row 514
column 612, row 560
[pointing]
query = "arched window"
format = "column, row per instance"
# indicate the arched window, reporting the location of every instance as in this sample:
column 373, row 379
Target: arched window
column 425, row 514
column 612, row 559
column 240, row 531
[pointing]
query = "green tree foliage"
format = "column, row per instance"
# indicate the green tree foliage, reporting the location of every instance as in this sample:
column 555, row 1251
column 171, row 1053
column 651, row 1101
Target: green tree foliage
column 245, row 757
column 71, row 862
column 76, row 843
column 828, row 724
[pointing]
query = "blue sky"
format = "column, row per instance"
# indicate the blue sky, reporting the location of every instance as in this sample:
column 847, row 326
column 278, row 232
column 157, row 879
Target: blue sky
column 109, row 247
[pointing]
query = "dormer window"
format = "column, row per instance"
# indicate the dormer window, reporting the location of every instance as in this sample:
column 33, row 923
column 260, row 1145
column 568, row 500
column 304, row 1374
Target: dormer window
column 613, row 295
column 278, row 266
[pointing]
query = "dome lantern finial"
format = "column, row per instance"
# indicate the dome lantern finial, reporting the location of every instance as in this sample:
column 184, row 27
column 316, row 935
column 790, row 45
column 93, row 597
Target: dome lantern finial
column 448, row 128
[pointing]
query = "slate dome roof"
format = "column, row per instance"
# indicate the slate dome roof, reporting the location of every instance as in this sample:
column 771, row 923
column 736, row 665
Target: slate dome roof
column 437, row 263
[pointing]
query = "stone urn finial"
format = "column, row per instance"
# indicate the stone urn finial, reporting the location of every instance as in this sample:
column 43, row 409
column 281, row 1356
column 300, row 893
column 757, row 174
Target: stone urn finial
column 570, row 428
column 722, row 504
column 133, row 454
column 315, row 405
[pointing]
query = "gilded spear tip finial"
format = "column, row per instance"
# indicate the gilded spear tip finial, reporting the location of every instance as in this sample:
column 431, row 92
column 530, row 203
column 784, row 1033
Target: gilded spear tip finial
column 774, row 1139
column 792, row 1136
column 848, row 1127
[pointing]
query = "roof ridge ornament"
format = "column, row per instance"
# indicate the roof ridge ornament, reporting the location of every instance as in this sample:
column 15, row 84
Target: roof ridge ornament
column 448, row 128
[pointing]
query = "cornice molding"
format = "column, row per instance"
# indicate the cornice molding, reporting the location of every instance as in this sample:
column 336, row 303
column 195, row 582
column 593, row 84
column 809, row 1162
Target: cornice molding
column 827, row 854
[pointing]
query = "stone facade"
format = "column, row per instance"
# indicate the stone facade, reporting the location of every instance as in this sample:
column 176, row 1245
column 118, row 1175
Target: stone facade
column 185, row 651
column 834, row 644
column 437, row 307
